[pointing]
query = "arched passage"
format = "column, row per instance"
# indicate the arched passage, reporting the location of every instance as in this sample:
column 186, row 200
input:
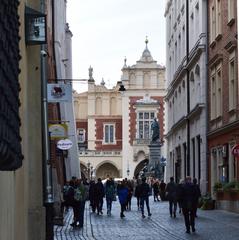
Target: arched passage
column 107, row 169
column 140, row 167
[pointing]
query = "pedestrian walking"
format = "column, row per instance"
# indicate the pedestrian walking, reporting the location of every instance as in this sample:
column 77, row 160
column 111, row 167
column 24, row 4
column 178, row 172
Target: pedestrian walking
column 122, row 192
column 162, row 187
column 109, row 194
column 156, row 190
column 137, row 194
column 171, row 191
column 99, row 196
column 130, row 194
column 197, row 196
column 144, row 191
column 92, row 196
column 80, row 196
column 188, row 196
column 180, row 185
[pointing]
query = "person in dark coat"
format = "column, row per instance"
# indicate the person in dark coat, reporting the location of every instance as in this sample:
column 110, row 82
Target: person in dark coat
column 92, row 196
column 156, row 190
column 122, row 192
column 99, row 195
column 109, row 194
column 188, row 196
column 130, row 194
column 198, row 195
column 144, row 191
column 180, row 185
column 137, row 194
column 171, row 191
column 162, row 187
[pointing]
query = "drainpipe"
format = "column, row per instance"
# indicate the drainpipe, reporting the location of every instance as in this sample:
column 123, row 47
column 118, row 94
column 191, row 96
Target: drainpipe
column 188, row 89
column 47, row 168
column 206, row 103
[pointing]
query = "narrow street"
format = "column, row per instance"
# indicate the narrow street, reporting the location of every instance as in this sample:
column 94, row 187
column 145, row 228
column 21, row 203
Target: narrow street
column 210, row 225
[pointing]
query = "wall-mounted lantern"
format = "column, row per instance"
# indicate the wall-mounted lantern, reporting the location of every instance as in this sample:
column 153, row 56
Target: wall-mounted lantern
column 35, row 27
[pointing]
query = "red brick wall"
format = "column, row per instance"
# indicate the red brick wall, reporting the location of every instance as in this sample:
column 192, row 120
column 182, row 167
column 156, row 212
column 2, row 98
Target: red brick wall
column 228, row 34
column 99, row 131
column 132, row 117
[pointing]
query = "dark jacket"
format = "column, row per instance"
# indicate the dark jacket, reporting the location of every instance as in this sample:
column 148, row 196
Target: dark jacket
column 171, row 189
column 99, row 190
column 144, row 190
column 137, row 191
column 122, row 192
column 189, row 196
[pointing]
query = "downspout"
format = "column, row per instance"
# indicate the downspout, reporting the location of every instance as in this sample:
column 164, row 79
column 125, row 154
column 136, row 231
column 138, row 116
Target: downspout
column 188, row 89
column 47, row 168
column 206, row 103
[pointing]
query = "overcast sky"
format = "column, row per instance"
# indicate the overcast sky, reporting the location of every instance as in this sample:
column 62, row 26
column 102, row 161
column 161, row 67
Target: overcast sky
column 105, row 31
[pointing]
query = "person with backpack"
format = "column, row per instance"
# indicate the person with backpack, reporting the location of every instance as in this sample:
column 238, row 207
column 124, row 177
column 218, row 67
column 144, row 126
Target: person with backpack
column 80, row 196
column 109, row 194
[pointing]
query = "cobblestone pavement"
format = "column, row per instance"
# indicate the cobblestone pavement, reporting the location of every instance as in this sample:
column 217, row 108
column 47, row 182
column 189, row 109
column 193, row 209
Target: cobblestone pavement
column 210, row 225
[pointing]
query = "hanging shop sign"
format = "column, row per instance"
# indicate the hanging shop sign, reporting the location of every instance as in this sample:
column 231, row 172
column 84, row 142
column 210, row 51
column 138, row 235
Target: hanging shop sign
column 64, row 144
column 57, row 131
column 235, row 151
column 59, row 92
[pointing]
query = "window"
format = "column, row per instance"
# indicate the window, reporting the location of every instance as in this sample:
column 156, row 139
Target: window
column 109, row 133
column 219, row 91
column 144, row 121
column 213, row 24
column 81, row 135
column 213, row 96
column 232, row 82
column 231, row 10
column 218, row 18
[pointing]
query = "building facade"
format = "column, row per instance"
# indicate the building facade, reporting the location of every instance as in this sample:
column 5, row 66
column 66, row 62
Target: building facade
column 186, row 75
column 223, row 105
column 114, row 128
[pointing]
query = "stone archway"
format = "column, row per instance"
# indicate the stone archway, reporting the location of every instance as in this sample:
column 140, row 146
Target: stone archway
column 107, row 169
column 140, row 167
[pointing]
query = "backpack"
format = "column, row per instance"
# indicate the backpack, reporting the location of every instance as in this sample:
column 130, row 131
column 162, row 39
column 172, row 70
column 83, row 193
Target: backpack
column 79, row 194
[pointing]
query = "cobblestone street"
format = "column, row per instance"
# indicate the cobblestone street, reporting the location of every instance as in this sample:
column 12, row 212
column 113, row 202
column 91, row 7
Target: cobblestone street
column 210, row 225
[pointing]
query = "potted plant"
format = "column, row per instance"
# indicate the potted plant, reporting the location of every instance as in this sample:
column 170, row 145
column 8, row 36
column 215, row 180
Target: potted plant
column 207, row 202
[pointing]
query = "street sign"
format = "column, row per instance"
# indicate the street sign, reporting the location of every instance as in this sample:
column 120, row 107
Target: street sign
column 235, row 151
column 64, row 144
column 57, row 131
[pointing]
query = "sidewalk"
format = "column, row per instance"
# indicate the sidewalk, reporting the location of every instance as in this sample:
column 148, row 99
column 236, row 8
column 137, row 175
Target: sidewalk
column 210, row 225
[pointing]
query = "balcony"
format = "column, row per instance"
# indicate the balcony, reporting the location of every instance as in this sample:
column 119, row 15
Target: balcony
column 92, row 153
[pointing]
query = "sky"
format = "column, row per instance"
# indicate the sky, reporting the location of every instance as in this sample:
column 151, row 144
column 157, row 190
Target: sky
column 107, row 31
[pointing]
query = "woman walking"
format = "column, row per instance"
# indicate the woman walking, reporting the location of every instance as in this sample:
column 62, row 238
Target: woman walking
column 122, row 191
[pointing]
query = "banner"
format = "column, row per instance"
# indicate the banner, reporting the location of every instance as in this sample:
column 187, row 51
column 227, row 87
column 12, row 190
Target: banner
column 59, row 92
column 58, row 131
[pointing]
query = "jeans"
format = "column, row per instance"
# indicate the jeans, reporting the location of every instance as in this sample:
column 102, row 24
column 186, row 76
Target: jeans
column 172, row 207
column 146, row 200
column 189, row 218
column 109, row 204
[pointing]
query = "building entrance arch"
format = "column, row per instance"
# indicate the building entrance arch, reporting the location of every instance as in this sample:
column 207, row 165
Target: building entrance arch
column 107, row 169
column 140, row 167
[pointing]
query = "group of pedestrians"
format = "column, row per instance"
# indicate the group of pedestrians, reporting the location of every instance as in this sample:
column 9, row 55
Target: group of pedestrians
column 185, row 195
column 75, row 193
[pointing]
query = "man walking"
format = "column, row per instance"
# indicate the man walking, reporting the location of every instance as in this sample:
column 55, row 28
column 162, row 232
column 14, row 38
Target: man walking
column 144, row 191
column 188, row 196
column 171, row 191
